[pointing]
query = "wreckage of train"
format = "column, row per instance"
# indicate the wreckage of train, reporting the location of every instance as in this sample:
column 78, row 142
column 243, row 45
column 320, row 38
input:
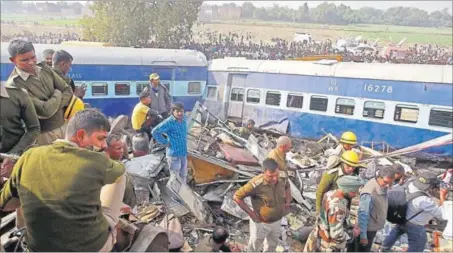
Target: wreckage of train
column 397, row 104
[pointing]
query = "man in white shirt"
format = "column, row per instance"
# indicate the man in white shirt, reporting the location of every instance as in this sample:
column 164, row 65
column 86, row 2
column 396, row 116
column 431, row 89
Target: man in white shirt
column 420, row 211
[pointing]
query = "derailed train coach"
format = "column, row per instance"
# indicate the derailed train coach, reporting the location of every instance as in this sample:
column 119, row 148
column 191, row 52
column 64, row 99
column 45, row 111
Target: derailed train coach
column 115, row 76
column 397, row 104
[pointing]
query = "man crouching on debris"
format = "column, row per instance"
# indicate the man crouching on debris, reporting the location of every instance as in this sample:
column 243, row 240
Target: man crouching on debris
column 69, row 191
column 349, row 162
column 333, row 232
column 269, row 207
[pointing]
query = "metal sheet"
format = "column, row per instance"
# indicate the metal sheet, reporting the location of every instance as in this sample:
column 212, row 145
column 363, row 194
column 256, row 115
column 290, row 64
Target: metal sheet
column 145, row 166
column 238, row 155
column 234, row 209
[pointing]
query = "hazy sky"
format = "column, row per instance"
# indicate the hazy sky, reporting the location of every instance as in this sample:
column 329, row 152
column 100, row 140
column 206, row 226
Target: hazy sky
column 425, row 5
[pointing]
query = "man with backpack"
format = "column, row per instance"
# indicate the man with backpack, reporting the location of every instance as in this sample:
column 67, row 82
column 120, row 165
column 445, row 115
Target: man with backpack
column 373, row 207
column 411, row 208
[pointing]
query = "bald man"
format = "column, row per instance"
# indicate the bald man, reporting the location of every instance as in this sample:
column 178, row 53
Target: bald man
column 279, row 154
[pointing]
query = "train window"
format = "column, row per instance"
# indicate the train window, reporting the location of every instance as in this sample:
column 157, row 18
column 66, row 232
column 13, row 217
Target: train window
column 99, row 89
column 194, row 88
column 318, row 103
column 345, row 106
column 294, row 101
column 406, row 113
column 237, row 94
column 253, row 96
column 273, row 98
column 122, row 89
column 211, row 92
column 140, row 87
column 373, row 109
column 441, row 117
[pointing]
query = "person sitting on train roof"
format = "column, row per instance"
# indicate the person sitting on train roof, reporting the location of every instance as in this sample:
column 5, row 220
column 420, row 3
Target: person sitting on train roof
column 161, row 101
column 16, row 108
column 69, row 191
column 62, row 63
column 49, row 93
column 47, row 55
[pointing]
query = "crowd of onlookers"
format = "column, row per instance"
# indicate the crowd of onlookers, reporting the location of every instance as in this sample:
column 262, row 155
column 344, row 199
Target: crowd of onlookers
column 215, row 45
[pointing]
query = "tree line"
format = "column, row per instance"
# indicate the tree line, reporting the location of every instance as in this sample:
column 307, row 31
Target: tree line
column 329, row 13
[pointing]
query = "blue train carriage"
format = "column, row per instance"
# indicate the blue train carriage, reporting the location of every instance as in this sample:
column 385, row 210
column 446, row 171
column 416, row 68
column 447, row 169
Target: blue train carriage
column 400, row 105
column 115, row 76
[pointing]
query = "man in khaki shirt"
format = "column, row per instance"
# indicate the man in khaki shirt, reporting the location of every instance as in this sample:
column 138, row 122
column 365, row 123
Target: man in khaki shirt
column 266, row 191
column 49, row 93
column 279, row 154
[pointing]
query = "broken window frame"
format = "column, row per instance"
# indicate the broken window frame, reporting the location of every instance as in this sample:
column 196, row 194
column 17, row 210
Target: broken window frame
column 207, row 92
column 290, row 100
column 441, row 117
column 248, row 97
column 399, row 110
column 125, row 90
column 344, row 106
column 99, row 85
column 194, row 88
column 238, row 94
column 268, row 99
column 319, row 103
column 372, row 110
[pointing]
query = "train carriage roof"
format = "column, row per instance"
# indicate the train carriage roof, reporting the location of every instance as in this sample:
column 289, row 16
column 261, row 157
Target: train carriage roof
column 122, row 55
column 379, row 71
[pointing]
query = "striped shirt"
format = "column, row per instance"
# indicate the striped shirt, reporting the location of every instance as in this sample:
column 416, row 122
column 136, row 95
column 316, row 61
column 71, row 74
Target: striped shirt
column 177, row 135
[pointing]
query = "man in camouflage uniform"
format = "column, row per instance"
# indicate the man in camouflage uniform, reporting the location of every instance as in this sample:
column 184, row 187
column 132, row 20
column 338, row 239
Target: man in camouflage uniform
column 332, row 230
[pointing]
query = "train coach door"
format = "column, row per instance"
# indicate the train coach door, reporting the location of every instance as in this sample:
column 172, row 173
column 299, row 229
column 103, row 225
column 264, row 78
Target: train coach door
column 236, row 95
column 167, row 77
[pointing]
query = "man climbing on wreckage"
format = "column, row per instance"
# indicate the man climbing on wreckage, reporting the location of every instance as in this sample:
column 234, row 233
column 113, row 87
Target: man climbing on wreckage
column 70, row 193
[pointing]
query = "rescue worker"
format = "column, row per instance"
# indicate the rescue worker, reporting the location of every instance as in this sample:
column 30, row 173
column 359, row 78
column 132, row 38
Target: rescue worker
column 16, row 107
column 49, row 93
column 348, row 141
column 349, row 162
column 266, row 191
column 245, row 131
column 373, row 206
column 69, row 191
column 115, row 151
column 61, row 63
column 47, row 55
column 216, row 242
column 284, row 145
column 332, row 230
column 160, row 97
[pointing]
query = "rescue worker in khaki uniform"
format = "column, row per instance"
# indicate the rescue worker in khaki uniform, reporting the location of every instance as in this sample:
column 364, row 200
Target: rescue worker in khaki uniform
column 279, row 154
column 49, row 93
column 16, row 108
column 69, row 191
column 332, row 230
column 269, row 207
column 349, row 163
column 61, row 64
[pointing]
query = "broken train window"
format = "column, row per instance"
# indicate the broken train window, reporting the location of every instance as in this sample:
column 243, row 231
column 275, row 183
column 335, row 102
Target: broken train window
column 253, row 96
column 345, row 106
column 237, row 94
column 406, row 113
column 273, row 98
column 374, row 109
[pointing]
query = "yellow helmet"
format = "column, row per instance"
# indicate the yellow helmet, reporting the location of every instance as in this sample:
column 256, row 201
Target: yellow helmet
column 348, row 138
column 154, row 76
column 75, row 105
column 351, row 158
